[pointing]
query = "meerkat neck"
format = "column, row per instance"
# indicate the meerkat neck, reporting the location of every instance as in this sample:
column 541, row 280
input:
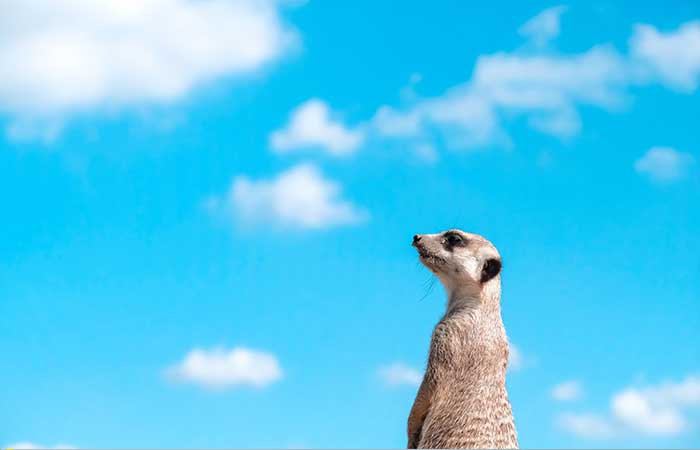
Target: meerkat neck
column 467, row 299
column 477, row 318
column 457, row 302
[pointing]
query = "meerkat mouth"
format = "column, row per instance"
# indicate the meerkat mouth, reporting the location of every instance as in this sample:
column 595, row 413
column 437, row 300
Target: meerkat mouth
column 430, row 260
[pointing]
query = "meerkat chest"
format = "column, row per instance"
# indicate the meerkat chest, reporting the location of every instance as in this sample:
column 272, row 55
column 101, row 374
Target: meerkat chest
column 462, row 347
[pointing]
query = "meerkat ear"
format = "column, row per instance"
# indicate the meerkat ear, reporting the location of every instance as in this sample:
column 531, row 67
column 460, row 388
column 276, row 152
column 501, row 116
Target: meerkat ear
column 491, row 268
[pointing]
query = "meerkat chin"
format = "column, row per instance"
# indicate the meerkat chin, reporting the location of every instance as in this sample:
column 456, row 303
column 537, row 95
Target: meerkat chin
column 462, row 401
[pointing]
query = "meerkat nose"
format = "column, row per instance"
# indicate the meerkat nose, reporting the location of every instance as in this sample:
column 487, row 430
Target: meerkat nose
column 416, row 238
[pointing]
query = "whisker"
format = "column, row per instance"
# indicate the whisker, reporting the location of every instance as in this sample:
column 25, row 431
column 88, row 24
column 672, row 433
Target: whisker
column 430, row 288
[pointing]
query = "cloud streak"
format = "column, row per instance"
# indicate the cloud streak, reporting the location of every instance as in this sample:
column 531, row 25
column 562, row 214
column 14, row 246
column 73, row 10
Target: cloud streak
column 220, row 368
column 299, row 198
column 652, row 411
column 664, row 165
column 399, row 374
column 673, row 57
column 544, row 27
column 26, row 445
column 516, row 360
column 545, row 88
column 62, row 57
column 312, row 126
column 567, row 391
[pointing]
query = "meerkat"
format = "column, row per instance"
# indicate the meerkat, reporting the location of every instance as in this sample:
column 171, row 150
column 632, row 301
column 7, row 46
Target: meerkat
column 462, row 401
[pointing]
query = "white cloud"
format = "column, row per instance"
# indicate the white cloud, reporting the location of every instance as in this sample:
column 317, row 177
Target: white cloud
column 567, row 391
column 398, row 374
column 426, row 153
column 664, row 164
column 592, row 426
column 543, row 27
column 545, row 87
column 26, row 445
column 220, row 368
column 311, row 125
column 685, row 393
column 653, row 411
column 298, row 198
column 550, row 82
column 516, row 360
column 389, row 122
column 61, row 57
column 672, row 56
column 562, row 123
column 634, row 409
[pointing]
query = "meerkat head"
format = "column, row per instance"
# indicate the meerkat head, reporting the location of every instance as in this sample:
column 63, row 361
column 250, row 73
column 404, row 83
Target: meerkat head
column 462, row 261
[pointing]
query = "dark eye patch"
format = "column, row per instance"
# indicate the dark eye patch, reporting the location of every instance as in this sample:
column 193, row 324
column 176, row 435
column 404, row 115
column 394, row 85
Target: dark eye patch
column 452, row 240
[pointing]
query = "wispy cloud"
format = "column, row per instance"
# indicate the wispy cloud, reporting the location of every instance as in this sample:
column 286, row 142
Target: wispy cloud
column 674, row 56
column 653, row 410
column 426, row 153
column 664, row 164
column 544, row 26
column 516, row 359
column 64, row 57
column 312, row 126
column 390, row 122
column 567, row 391
column 26, row 445
column 399, row 374
column 546, row 88
column 220, row 368
column 298, row 198
column 586, row 425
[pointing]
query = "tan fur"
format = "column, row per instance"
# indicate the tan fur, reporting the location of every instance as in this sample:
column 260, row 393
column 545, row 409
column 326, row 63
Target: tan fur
column 462, row 402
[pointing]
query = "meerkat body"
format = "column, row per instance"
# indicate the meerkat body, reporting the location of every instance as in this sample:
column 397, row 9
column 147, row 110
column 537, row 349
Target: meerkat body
column 462, row 401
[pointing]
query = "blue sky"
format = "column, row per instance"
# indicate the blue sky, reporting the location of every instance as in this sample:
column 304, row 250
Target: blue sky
column 208, row 208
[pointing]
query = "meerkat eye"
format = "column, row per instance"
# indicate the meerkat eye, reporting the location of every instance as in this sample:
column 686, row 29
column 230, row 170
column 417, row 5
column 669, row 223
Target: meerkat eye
column 454, row 240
